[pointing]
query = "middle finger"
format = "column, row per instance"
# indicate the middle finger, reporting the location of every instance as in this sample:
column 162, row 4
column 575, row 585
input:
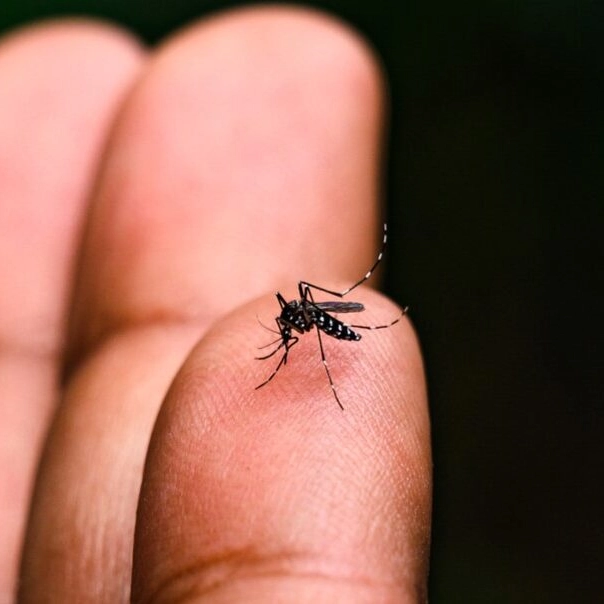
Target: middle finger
column 224, row 173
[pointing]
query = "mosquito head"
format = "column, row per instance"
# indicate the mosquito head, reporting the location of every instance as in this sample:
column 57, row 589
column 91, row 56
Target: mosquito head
column 286, row 330
column 293, row 316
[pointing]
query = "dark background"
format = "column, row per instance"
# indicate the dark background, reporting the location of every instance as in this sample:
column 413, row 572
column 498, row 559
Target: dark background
column 494, row 185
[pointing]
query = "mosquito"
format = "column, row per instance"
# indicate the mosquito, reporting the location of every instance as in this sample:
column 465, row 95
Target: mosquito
column 304, row 313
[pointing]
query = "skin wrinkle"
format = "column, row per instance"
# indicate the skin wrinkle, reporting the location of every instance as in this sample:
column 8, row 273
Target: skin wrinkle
column 39, row 342
column 211, row 574
column 24, row 348
column 167, row 319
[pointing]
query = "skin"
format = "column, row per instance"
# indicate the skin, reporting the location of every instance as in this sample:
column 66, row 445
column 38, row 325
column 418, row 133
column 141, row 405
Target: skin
column 151, row 203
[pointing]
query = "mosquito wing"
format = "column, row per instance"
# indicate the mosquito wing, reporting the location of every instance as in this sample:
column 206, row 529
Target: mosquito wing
column 337, row 307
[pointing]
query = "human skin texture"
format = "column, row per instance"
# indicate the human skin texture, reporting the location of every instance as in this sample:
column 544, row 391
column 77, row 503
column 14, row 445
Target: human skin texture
column 151, row 203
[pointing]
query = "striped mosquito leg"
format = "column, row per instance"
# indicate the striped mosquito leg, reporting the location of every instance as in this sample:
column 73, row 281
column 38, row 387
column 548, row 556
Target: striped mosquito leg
column 333, row 388
column 272, row 375
column 282, row 362
column 377, row 261
column 403, row 313
column 303, row 285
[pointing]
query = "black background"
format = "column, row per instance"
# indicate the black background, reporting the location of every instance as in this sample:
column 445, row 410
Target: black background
column 494, row 188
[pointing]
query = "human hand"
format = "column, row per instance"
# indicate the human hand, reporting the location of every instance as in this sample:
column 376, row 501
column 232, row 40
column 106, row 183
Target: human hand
column 153, row 202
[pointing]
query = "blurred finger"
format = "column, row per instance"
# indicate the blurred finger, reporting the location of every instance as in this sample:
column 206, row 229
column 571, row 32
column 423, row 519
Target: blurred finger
column 61, row 82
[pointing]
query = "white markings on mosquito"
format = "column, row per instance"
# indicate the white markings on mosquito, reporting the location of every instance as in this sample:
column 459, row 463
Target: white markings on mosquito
column 303, row 314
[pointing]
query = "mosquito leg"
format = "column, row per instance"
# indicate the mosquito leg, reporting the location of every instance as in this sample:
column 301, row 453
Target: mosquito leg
column 270, row 354
column 403, row 313
column 282, row 362
column 281, row 337
column 333, row 388
column 304, row 285
column 272, row 375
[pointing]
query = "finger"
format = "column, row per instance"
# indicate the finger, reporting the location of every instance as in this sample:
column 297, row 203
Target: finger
column 276, row 494
column 60, row 84
column 242, row 159
column 250, row 144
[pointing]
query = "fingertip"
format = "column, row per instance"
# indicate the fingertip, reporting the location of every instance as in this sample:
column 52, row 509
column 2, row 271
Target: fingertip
column 296, row 36
column 282, row 472
column 77, row 37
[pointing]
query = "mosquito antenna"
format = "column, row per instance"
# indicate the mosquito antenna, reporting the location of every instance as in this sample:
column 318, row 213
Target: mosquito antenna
column 267, row 329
